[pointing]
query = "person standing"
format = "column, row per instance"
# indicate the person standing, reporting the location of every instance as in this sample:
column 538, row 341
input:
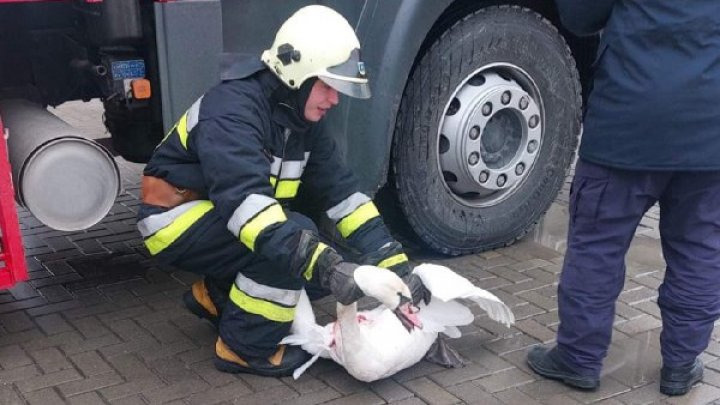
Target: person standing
column 650, row 136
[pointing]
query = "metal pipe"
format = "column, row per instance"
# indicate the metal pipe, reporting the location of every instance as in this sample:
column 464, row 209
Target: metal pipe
column 84, row 66
column 67, row 182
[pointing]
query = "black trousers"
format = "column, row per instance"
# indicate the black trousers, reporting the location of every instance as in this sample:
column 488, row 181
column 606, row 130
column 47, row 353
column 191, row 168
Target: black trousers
column 209, row 249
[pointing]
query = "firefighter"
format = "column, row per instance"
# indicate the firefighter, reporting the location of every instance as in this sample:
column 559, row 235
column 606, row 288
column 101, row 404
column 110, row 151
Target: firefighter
column 221, row 194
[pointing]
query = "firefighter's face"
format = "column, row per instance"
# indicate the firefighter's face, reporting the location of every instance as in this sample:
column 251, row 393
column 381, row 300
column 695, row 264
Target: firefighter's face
column 321, row 99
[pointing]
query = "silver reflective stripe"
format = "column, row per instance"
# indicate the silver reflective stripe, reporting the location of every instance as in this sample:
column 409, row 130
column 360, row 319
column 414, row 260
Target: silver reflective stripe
column 275, row 166
column 288, row 298
column 150, row 225
column 251, row 206
column 192, row 114
column 347, row 206
column 293, row 169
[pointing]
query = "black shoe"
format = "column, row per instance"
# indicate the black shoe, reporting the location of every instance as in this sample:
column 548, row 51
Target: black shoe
column 285, row 360
column 198, row 301
column 547, row 363
column 679, row 380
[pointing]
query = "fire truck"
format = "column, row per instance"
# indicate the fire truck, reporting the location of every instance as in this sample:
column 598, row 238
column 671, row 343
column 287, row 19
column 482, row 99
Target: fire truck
column 474, row 119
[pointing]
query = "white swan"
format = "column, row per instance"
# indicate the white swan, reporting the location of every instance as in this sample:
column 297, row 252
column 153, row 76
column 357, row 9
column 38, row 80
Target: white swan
column 374, row 344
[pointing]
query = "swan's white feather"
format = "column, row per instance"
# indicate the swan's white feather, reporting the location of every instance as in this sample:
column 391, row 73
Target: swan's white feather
column 373, row 344
column 447, row 285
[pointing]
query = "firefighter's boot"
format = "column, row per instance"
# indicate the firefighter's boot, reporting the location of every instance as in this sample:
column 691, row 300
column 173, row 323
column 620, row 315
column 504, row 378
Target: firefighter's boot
column 198, row 301
column 285, row 360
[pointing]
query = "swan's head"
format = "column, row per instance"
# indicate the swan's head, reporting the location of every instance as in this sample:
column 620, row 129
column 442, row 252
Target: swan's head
column 390, row 290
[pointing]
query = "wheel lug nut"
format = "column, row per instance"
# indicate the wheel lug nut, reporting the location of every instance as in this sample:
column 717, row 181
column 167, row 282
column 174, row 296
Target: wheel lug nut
column 506, row 96
column 474, row 158
column 483, row 176
column 474, row 132
column 534, row 121
column 524, row 102
column 501, row 180
column 487, row 109
column 520, row 169
column 532, row 146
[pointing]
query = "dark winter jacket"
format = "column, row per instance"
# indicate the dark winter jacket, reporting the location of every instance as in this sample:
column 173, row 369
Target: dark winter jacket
column 654, row 103
column 246, row 148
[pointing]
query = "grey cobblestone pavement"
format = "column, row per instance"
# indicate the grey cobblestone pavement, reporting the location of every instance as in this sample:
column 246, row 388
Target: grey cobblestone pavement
column 100, row 323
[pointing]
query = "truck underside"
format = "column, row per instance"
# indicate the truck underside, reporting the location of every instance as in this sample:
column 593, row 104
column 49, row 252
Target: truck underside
column 57, row 51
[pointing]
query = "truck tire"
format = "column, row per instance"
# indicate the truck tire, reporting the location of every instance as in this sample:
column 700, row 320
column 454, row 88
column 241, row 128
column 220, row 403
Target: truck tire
column 486, row 130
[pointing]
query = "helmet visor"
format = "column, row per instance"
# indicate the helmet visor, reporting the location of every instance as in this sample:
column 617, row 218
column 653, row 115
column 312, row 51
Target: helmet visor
column 352, row 89
column 349, row 77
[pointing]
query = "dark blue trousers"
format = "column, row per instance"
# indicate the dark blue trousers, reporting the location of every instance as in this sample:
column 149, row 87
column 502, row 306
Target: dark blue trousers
column 208, row 249
column 606, row 206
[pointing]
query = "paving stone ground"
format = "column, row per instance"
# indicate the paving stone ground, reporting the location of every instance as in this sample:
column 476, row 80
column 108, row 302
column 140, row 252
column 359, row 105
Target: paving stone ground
column 100, row 323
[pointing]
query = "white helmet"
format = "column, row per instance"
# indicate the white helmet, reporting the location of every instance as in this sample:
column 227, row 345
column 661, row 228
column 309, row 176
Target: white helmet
column 317, row 41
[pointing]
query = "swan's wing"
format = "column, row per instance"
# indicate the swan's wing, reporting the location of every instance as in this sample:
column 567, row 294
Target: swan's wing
column 452, row 332
column 496, row 309
column 304, row 329
column 300, row 370
column 439, row 315
column 304, row 321
column 305, row 332
column 446, row 285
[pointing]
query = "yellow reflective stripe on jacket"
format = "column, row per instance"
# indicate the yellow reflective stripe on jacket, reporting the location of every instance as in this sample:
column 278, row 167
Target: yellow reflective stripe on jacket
column 393, row 260
column 170, row 132
column 273, row 180
column 250, row 208
column 266, row 309
column 148, row 226
column 186, row 123
column 357, row 218
column 166, row 236
column 182, row 130
column 273, row 214
column 347, row 206
column 311, row 267
column 280, row 296
column 286, row 188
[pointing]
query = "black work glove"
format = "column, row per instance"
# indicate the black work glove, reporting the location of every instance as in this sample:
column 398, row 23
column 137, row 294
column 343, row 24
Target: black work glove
column 384, row 256
column 336, row 275
column 332, row 272
column 417, row 289
column 342, row 284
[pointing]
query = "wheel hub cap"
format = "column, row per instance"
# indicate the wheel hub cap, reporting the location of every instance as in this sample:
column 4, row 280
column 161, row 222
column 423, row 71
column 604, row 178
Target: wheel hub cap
column 489, row 138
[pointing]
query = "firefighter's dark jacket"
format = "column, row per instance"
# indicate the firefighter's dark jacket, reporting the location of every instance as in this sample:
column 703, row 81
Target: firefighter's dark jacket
column 654, row 102
column 245, row 147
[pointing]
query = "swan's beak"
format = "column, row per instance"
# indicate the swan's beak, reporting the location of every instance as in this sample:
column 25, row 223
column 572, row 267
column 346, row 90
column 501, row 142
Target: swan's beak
column 406, row 313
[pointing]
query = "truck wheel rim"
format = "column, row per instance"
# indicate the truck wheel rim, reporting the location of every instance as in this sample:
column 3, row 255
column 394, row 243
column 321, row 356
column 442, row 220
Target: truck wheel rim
column 490, row 135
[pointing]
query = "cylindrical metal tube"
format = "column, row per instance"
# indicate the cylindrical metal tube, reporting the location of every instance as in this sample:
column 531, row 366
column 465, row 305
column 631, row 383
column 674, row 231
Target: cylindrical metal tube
column 66, row 181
